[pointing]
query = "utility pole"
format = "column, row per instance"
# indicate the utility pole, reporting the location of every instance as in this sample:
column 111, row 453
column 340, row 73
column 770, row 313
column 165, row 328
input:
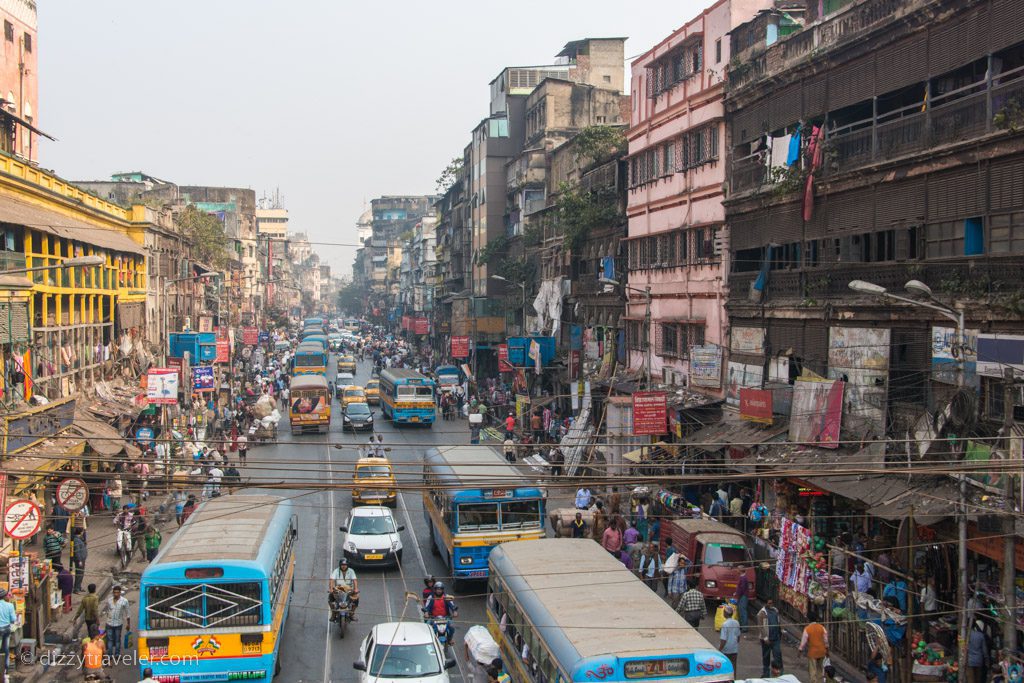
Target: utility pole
column 650, row 333
column 1009, row 521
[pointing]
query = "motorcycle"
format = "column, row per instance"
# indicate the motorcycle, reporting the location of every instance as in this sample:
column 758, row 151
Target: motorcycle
column 341, row 611
column 443, row 628
column 124, row 547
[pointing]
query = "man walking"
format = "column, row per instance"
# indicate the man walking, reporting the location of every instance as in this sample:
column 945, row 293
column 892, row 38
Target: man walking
column 742, row 599
column 770, row 632
column 53, row 545
column 693, row 606
column 81, row 553
column 243, row 448
column 675, row 574
column 583, row 498
column 815, row 642
column 89, row 610
column 729, row 639
column 116, row 611
column 152, row 540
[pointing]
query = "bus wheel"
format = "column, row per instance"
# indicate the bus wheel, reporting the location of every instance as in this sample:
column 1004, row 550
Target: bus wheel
column 277, row 664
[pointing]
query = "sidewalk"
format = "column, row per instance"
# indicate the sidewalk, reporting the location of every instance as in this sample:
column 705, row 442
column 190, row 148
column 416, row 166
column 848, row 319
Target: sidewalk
column 102, row 567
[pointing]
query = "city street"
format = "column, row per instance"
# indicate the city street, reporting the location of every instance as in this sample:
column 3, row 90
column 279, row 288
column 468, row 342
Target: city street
column 312, row 650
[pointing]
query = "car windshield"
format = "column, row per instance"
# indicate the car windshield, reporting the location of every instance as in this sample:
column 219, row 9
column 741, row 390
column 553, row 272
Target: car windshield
column 354, row 393
column 373, row 471
column 371, row 526
column 405, row 661
column 357, row 410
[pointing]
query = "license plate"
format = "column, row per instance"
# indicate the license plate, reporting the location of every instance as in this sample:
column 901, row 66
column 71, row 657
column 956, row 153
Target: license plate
column 376, row 556
column 252, row 648
column 414, row 419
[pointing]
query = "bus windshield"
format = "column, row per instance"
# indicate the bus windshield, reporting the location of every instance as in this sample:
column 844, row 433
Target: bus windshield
column 476, row 516
column 309, row 360
column 411, row 392
column 519, row 514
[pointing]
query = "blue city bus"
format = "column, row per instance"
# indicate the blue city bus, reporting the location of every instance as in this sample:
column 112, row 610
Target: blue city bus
column 313, row 322
column 472, row 501
column 309, row 359
column 214, row 601
column 320, row 339
column 584, row 618
column 407, row 397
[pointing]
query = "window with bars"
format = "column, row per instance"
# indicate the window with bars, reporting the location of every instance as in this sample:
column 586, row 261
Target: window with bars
column 697, row 147
column 684, row 247
column 676, row 339
column 679, row 65
column 652, row 163
column 204, row 605
column 636, row 335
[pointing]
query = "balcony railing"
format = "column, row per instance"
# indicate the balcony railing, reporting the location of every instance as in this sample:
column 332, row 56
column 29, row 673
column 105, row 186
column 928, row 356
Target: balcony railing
column 967, row 277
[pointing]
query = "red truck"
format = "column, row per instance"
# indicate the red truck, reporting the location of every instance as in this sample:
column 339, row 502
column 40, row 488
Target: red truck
column 718, row 553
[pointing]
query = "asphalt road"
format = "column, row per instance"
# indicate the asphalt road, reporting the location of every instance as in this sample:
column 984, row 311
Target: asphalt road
column 311, row 649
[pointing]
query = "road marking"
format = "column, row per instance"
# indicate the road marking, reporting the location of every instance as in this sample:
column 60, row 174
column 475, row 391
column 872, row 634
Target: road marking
column 387, row 596
column 330, row 558
column 412, row 532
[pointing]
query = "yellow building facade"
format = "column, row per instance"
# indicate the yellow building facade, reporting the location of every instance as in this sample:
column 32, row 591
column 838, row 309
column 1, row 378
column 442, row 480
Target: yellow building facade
column 64, row 328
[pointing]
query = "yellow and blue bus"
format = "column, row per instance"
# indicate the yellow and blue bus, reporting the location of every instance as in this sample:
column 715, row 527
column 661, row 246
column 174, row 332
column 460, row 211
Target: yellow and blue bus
column 213, row 603
column 472, row 501
column 309, row 359
column 407, row 397
column 563, row 610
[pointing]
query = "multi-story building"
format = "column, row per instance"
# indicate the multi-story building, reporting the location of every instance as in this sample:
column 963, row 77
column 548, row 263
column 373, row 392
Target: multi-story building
column 881, row 143
column 676, row 324
column 267, row 276
column 19, row 81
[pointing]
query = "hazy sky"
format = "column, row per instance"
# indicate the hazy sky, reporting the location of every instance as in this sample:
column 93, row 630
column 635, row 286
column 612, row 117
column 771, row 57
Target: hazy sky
column 333, row 102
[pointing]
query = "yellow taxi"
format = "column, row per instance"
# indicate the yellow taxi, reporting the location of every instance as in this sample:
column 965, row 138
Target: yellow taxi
column 372, row 390
column 352, row 394
column 347, row 364
column 373, row 482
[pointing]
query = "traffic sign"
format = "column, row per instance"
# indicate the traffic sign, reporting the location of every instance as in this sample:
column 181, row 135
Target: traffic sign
column 22, row 519
column 72, row 494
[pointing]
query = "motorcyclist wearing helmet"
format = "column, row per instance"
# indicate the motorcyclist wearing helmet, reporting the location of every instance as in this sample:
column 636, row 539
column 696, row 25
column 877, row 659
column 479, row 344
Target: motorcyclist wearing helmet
column 428, row 588
column 441, row 606
column 343, row 582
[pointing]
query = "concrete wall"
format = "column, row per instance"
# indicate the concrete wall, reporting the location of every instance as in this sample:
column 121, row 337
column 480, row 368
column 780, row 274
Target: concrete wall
column 18, row 85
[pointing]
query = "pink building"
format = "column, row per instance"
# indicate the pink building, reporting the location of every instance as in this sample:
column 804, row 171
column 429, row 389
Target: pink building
column 19, row 79
column 678, row 243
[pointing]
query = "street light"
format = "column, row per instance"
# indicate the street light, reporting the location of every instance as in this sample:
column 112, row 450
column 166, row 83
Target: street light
column 959, row 352
column 72, row 262
column 522, row 287
column 647, row 319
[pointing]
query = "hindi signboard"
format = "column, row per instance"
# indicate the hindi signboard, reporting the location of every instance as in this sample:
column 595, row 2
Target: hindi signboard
column 503, row 364
column 460, row 347
column 650, row 413
column 756, row 405
column 223, row 351
column 250, row 336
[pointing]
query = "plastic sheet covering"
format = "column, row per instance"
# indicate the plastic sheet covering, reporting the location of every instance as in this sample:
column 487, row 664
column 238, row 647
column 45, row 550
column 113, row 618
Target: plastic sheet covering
column 481, row 645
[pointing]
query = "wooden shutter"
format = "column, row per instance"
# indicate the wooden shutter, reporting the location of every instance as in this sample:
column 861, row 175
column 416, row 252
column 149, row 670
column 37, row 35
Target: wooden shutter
column 851, row 83
column 901, row 64
column 744, row 233
column 955, row 194
column 786, row 224
column 750, row 122
column 899, row 201
column 958, row 42
column 13, row 322
column 1006, row 24
column 785, row 108
column 1006, row 185
column 850, row 212
column 815, row 96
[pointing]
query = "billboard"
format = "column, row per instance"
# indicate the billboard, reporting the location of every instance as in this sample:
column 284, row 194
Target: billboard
column 706, row 366
column 202, row 378
column 223, row 351
column 162, row 386
column 250, row 336
column 650, row 413
column 421, row 325
column 817, row 412
column 503, row 364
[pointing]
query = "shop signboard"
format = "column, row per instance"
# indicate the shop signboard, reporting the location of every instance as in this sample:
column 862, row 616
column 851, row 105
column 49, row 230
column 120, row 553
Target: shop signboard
column 202, row 378
column 421, row 325
column 223, row 351
column 748, row 340
column 756, row 405
column 264, row 337
column 162, row 384
column 460, row 347
column 817, row 412
column 503, row 364
column 650, row 413
column 22, row 519
column 145, row 435
column 706, row 366
column 250, row 336
column 574, row 364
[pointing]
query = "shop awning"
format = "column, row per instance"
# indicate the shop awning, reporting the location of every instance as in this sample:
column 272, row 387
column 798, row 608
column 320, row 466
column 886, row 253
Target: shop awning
column 62, row 225
column 657, row 452
column 728, row 432
column 35, row 463
column 100, row 436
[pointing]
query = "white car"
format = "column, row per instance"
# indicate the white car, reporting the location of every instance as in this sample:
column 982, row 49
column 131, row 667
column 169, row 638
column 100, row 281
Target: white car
column 372, row 537
column 402, row 651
